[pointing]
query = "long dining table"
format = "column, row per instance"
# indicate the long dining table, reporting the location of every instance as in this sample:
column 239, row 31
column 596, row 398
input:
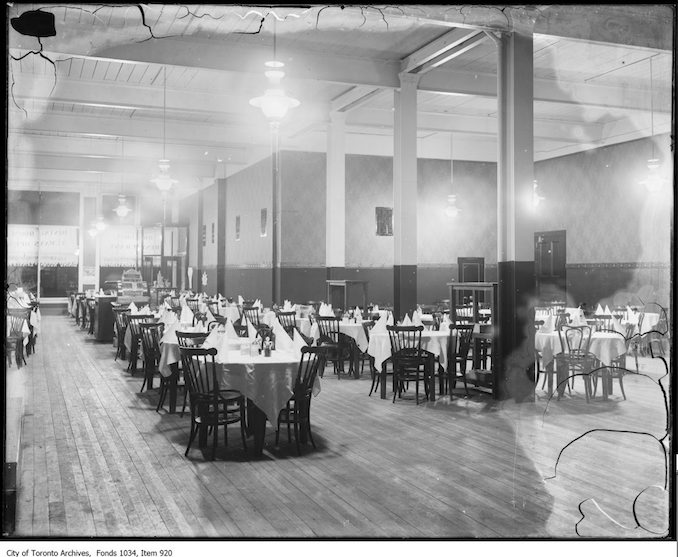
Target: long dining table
column 605, row 346
column 436, row 342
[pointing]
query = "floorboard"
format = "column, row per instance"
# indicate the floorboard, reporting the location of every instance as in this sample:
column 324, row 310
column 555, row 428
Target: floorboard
column 97, row 460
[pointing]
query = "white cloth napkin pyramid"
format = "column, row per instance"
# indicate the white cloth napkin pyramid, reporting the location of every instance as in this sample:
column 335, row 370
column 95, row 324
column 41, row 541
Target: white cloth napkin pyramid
column 600, row 310
column 210, row 316
column 230, row 330
column 577, row 318
column 618, row 326
column 406, row 322
column 186, row 315
column 213, row 340
column 297, row 344
column 282, row 339
column 240, row 300
column 133, row 309
column 170, row 334
column 416, row 319
column 389, row 319
column 547, row 327
column 379, row 326
column 607, row 310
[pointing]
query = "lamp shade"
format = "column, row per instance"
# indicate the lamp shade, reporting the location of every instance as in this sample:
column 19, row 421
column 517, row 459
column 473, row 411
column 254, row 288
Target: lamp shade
column 274, row 103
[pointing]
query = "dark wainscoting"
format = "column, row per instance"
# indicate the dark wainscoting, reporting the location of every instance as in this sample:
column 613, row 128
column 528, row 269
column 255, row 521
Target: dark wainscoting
column 303, row 284
column 618, row 283
column 249, row 282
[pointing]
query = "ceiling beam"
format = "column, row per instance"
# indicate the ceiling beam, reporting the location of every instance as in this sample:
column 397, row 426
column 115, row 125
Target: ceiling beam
column 353, row 98
column 418, row 60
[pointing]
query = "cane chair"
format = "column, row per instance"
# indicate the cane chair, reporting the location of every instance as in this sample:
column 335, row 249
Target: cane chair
column 575, row 355
column 133, row 322
column 340, row 347
column 210, row 406
column 120, row 317
column 151, row 333
column 297, row 411
column 410, row 362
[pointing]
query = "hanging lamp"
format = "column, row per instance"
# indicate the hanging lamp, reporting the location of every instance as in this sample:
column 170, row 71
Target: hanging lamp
column 122, row 210
column 274, row 103
column 537, row 198
column 163, row 180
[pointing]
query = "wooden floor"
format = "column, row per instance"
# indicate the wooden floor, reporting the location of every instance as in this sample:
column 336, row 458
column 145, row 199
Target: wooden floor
column 97, row 460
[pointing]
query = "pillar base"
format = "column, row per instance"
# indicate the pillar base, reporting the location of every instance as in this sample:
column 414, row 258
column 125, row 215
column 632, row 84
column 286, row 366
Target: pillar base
column 404, row 290
column 514, row 354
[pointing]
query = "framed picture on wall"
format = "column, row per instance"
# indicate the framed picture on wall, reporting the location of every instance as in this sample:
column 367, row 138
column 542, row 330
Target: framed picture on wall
column 264, row 219
column 237, row 227
column 384, row 221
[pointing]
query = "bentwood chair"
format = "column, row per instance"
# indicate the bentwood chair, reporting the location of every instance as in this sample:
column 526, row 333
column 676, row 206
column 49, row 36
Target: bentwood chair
column 133, row 322
column 120, row 317
column 288, row 320
column 375, row 373
column 297, row 411
column 14, row 341
column 151, row 333
column 575, row 357
column 340, row 347
column 410, row 362
column 459, row 362
column 193, row 304
column 187, row 339
column 211, row 407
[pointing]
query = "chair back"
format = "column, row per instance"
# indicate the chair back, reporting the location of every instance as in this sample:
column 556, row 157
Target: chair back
column 193, row 304
column 200, row 373
column 367, row 327
column 562, row 320
column 575, row 341
column 329, row 328
column 213, row 307
column 190, row 339
column 288, row 320
column 133, row 322
column 15, row 321
column 604, row 324
column 119, row 315
column 151, row 333
column 405, row 341
column 312, row 359
column 464, row 338
column 251, row 313
column 175, row 302
column 538, row 325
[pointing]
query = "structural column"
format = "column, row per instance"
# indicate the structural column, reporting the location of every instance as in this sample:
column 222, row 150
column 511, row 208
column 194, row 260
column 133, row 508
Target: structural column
column 335, row 221
column 514, row 353
column 405, row 196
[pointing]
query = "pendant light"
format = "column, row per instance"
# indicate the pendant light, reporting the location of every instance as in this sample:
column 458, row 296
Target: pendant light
column 536, row 197
column 122, row 210
column 653, row 181
column 163, row 180
column 274, row 103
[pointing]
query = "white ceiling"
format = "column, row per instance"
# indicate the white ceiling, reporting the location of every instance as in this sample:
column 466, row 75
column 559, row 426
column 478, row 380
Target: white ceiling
column 87, row 109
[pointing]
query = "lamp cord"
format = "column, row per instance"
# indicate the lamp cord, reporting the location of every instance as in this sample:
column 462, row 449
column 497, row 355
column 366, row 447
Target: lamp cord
column 651, row 108
column 164, row 107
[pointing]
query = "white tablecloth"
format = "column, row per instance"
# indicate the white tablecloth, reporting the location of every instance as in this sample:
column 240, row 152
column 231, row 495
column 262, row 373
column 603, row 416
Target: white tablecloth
column 353, row 330
column 604, row 346
column 303, row 323
column 435, row 342
column 267, row 381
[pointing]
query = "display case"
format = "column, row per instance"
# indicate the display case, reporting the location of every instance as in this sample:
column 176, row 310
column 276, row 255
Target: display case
column 133, row 288
column 485, row 332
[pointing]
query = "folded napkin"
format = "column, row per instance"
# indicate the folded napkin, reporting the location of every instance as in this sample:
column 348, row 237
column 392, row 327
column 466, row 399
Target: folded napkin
column 169, row 317
column 618, row 326
column 133, row 308
column 251, row 331
column 577, row 318
column 607, row 310
column 240, row 300
column 170, row 334
column 358, row 312
column 186, row 315
column 375, row 308
column 600, row 310
column 416, row 318
column 297, row 343
column 213, row 340
column 389, row 319
column 146, row 310
column 444, row 324
column 379, row 326
column 326, row 310
column 282, row 339
column 547, row 327
column 257, row 304
column 406, row 322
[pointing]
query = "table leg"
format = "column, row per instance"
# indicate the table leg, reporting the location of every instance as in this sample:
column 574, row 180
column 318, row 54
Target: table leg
column 432, row 384
column 172, row 384
column 382, row 381
column 256, row 424
column 549, row 377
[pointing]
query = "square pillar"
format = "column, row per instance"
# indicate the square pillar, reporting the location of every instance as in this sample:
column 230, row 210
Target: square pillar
column 405, row 196
column 514, row 354
column 335, row 221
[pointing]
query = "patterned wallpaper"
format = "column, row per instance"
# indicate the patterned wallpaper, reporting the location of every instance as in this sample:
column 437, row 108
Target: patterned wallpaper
column 247, row 192
column 210, row 214
column 597, row 198
column 304, row 190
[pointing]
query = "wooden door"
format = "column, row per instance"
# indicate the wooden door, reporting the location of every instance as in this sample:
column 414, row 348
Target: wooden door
column 550, row 257
column 471, row 269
